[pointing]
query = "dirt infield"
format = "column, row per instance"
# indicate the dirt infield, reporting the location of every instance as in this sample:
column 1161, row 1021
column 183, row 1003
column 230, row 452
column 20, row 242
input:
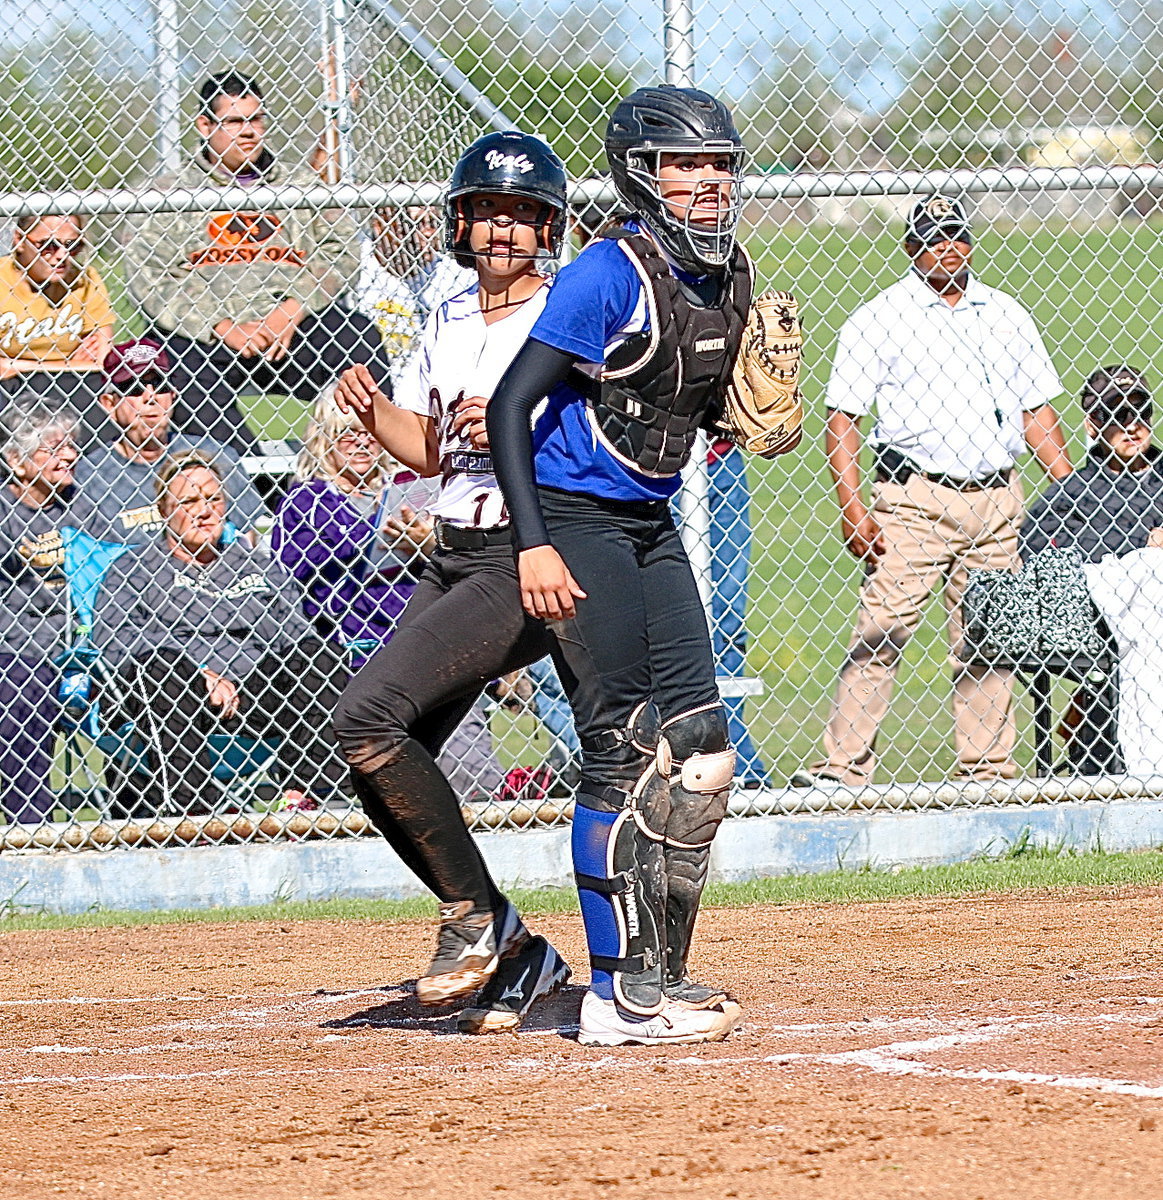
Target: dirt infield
column 944, row 1048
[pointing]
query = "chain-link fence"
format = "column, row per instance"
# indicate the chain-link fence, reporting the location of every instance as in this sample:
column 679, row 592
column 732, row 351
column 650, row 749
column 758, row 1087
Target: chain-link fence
column 264, row 235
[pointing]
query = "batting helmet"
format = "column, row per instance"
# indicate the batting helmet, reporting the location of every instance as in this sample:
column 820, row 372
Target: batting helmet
column 516, row 164
column 670, row 120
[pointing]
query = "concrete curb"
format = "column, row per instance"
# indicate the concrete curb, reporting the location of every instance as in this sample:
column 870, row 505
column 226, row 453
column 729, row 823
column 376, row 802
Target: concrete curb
column 746, row 848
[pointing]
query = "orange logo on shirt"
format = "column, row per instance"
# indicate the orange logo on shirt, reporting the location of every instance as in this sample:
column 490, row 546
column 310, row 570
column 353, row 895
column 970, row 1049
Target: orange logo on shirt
column 236, row 229
column 239, row 237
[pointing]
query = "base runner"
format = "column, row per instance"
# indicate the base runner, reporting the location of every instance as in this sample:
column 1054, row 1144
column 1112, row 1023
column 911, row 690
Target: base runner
column 464, row 625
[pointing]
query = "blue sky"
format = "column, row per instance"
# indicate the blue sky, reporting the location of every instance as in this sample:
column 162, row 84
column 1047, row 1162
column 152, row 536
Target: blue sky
column 865, row 40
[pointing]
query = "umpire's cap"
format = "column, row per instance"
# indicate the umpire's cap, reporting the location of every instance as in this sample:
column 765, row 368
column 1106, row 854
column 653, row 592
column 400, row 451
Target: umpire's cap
column 518, row 164
column 938, row 219
column 1116, row 395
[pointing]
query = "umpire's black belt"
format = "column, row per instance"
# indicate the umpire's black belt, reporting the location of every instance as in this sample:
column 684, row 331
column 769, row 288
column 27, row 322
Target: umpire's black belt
column 893, row 467
column 454, row 537
column 997, row 480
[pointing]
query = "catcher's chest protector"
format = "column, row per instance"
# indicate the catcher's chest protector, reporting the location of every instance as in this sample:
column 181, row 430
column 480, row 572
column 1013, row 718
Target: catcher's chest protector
column 658, row 386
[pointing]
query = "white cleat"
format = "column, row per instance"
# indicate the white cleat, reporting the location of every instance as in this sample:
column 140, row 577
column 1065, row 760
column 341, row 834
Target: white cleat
column 603, row 1023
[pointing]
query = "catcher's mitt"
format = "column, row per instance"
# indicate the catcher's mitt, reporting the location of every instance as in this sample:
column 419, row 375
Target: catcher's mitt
column 763, row 412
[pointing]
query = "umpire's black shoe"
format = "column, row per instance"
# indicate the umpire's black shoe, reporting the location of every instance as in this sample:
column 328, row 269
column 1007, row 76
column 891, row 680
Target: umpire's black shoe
column 536, row 970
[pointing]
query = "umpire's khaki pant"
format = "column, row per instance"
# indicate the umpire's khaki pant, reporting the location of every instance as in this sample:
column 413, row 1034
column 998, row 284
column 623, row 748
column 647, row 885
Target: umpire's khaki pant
column 932, row 536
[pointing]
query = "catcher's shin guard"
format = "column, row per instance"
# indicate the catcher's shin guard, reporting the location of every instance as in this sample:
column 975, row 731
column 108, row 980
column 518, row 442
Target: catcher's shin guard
column 695, row 753
column 622, row 888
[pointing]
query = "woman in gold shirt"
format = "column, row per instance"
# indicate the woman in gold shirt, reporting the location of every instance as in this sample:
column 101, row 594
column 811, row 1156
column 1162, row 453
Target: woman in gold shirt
column 56, row 322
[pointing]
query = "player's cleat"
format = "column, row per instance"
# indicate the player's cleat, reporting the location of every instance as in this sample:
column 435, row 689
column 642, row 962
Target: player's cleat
column 511, row 931
column 468, row 950
column 466, row 955
column 603, row 1023
column 692, row 994
column 536, row 970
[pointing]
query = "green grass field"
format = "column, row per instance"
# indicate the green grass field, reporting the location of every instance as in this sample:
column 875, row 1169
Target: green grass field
column 1096, row 299
column 1019, row 868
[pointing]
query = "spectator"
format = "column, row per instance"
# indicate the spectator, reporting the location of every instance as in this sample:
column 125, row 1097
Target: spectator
column 207, row 636
column 961, row 383
column 246, row 301
column 402, row 278
column 1111, row 503
column 353, row 532
column 118, row 480
column 1108, row 506
column 37, row 501
column 56, row 322
column 356, row 560
column 1127, row 590
column 729, row 502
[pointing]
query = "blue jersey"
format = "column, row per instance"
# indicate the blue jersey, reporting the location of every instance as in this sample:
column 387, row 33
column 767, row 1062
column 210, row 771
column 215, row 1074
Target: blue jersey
column 595, row 304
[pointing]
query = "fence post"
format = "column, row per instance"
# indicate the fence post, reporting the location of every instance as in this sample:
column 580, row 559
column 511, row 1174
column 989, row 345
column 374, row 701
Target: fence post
column 678, row 34
column 165, row 42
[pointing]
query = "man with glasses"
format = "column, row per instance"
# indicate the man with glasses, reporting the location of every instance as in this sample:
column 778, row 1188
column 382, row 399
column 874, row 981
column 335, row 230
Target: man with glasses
column 1108, row 506
column 244, row 302
column 56, row 322
column 118, row 480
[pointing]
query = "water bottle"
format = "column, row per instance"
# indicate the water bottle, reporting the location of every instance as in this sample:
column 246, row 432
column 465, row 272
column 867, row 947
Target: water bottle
column 74, row 694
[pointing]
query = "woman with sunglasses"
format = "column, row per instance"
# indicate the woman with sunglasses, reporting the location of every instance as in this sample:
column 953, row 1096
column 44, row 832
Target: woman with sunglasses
column 56, row 321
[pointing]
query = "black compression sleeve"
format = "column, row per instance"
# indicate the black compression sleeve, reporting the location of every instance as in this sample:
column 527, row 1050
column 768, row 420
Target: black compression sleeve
column 534, row 373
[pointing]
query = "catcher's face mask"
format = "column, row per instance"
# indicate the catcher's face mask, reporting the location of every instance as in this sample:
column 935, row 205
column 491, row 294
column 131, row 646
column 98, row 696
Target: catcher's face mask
column 699, row 197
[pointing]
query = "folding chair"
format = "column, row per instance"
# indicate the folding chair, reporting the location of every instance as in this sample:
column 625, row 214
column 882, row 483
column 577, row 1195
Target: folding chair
column 133, row 760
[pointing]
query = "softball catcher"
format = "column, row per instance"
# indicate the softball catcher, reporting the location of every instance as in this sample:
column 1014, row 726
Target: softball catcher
column 635, row 351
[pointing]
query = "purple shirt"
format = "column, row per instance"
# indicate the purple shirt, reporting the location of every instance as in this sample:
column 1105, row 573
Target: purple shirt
column 350, row 591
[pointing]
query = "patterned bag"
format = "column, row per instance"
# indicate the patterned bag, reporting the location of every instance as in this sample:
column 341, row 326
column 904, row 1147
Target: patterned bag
column 1025, row 617
column 1001, row 617
column 1067, row 615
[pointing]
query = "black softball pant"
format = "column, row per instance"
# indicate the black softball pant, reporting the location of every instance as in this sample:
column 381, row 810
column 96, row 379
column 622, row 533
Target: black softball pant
column 463, row 627
column 640, row 634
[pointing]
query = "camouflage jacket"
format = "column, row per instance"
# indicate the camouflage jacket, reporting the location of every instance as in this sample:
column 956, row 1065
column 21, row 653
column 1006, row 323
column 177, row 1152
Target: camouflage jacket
column 188, row 271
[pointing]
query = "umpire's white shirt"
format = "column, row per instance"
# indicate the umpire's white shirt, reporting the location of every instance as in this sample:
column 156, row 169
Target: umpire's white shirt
column 949, row 384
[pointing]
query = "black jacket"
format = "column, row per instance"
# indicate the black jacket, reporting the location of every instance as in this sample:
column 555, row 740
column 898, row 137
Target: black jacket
column 1097, row 510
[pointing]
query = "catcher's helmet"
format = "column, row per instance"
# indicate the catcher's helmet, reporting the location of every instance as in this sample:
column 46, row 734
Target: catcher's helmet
column 517, row 164
column 670, row 120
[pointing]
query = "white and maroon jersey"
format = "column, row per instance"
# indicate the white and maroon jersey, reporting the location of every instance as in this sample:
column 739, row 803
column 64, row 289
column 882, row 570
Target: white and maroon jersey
column 459, row 357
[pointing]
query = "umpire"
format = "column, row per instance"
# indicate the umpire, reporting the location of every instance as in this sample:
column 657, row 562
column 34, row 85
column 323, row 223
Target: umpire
column 961, row 384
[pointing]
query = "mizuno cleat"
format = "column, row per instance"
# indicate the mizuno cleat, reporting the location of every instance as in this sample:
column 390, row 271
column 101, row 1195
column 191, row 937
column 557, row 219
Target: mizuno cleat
column 536, row 970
